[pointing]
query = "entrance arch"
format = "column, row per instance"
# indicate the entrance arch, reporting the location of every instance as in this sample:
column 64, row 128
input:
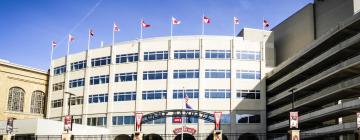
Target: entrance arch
column 248, row 136
column 186, row 137
column 122, row 137
column 153, row 137
column 211, row 137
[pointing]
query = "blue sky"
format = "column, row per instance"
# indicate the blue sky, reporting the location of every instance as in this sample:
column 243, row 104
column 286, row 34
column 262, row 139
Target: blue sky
column 27, row 27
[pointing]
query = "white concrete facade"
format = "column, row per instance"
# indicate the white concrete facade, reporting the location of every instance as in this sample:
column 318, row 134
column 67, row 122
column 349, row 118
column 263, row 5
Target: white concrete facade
column 233, row 105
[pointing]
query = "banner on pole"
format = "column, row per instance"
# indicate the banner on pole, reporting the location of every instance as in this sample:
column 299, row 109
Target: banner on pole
column 217, row 117
column 358, row 120
column 10, row 125
column 138, row 119
column 294, row 120
column 67, row 123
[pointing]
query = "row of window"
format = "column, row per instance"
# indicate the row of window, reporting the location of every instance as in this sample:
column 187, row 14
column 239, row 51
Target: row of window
column 98, row 98
column 102, row 79
column 16, row 100
column 160, row 55
column 130, row 120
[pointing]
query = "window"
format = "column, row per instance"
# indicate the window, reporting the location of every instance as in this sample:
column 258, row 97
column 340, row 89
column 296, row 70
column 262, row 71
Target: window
column 159, row 55
column 247, row 55
column 58, row 86
column 100, row 61
column 211, row 73
column 225, row 119
column 123, row 77
column 124, row 96
column 78, row 100
column 191, row 93
column 248, row 94
column 37, row 102
column 76, row 83
column 123, row 120
column 56, row 103
column 16, row 99
column 247, row 118
column 187, row 54
column 157, row 121
column 124, row 58
column 59, row 70
column 96, row 121
column 154, row 94
column 155, row 75
column 98, row 98
column 78, row 65
column 182, row 74
column 218, row 54
column 188, row 120
column 217, row 93
column 78, row 120
column 102, row 79
column 248, row 74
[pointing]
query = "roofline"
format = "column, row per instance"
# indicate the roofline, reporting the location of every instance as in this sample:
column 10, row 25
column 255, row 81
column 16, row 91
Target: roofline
column 7, row 63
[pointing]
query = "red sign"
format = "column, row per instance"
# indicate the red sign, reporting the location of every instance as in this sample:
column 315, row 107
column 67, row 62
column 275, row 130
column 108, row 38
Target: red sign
column 294, row 120
column 67, row 122
column 184, row 129
column 177, row 120
column 217, row 116
column 138, row 119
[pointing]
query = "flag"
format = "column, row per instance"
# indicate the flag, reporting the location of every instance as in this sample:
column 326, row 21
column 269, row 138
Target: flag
column 91, row 33
column 144, row 24
column 71, row 38
column 236, row 20
column 266, row 23
column 53, row 44
column 187, row 102
column 175, row 21
column 116, row 28
column 206, row 20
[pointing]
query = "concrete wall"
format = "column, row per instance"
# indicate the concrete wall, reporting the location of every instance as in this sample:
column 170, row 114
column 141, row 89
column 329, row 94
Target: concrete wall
column 294, row 33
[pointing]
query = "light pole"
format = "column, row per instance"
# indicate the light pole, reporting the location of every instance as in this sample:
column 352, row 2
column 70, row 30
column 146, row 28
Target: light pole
column 293, row 98
column 69, row 105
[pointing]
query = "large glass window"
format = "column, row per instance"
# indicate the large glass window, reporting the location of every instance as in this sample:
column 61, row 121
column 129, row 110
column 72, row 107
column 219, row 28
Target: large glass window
column 248, row 74
column 218, row 54
column 157, row 121
column 59, row 70
column 155, row 75
column 98, row 98
column 16, row 99
column 185, row 74
column 76, row 83
column 154, row 94
column 56, row 103
column 102, row 79
column 180, row 94
column 212, row 73
column 124, row 58
column 123, row 120
column 58, row 86
column 78, row 65
column 186, row 54
column 217, row 93
column 247, row 55
column 37, row 102
column 123, row 77
column 96, row 121
column 225, row 119
column 100, row 61
column 76, row 100
column 159, row 55
column 248, row 118
column 124, row 96
column 248, row 94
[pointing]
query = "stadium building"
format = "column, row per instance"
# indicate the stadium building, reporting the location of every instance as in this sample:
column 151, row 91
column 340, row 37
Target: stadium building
column 215, row 73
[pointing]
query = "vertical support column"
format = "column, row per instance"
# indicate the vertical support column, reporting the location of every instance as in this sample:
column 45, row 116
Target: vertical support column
column 201, row 80
column 66, row 87
column 217, row 135
column 86, row 89
column 66, row 136
column 232, row 84
column 294, row 134
column 169, row 80
column 139, row 80
column 110, row 102
column 6, row 137
column 50, row 89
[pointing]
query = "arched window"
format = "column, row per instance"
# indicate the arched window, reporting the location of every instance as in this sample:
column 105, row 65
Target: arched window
column 16, row 99
column 37, row 102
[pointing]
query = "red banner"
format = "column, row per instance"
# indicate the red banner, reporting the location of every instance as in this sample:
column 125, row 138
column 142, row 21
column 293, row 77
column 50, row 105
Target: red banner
column 217, row 117
column 138, row 119
column 294, row 120
column 67, row 123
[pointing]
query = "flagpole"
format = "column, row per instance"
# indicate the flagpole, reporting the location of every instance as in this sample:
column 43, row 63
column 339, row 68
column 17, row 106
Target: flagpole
column 113, row 37
column 141, row 28
column 89, row 36
column 171, row 27
column 234, row 29
column 68, row 45
column 202, row 20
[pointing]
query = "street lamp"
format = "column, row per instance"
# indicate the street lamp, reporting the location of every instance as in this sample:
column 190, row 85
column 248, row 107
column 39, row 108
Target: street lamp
column 69, row 105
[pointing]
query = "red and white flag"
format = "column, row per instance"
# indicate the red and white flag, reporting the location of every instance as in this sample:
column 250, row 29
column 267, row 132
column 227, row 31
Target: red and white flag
column 175, row 21
column 144, row 25
column 91, row 33
column 266, row 23
column 236, row 20
column 116, row 28
column 71, row 38
column 53, row 44
column 206, row 20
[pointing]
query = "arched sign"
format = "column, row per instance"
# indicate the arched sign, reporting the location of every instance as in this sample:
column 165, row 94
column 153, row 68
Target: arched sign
column 178, row 113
